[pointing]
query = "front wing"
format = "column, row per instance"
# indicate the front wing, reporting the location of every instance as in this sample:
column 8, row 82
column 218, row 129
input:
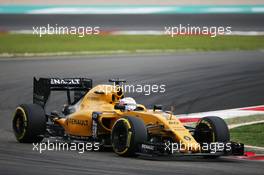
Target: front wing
column 150, row 150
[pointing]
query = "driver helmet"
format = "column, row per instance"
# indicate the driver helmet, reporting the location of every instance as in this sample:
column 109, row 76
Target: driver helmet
column 129, row 103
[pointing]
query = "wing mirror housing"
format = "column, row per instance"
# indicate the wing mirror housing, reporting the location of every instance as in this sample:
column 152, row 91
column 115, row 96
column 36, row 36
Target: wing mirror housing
column 157, row 107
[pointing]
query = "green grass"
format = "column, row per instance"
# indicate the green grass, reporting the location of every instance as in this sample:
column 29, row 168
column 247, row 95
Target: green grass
column 244, row 119
column 249, row 135
column 26, row 43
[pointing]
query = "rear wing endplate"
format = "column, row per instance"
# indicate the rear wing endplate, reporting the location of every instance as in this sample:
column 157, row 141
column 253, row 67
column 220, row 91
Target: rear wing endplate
column 42, row 88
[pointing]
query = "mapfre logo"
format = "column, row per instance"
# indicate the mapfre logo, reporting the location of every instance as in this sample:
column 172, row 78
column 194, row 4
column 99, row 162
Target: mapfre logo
column 70, row 81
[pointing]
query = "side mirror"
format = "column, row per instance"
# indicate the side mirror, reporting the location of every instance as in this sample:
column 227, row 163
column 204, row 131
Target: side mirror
column 120, row 107
column 157, row 107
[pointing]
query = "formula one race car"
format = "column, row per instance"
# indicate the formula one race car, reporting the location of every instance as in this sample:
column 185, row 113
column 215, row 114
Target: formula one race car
column 102, row 114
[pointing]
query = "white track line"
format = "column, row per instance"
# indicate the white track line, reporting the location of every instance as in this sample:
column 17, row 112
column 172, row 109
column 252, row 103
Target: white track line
column 225, row 114
column 254, row 147
column 150, row 32
column 245, row 124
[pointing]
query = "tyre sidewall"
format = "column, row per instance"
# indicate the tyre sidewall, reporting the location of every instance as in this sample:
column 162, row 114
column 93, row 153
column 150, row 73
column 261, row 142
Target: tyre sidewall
column 138, row 135
column 35, row 125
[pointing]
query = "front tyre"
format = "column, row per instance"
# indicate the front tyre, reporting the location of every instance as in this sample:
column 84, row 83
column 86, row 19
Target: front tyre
column 29, row 123
column 211, row 129
column 127, row 134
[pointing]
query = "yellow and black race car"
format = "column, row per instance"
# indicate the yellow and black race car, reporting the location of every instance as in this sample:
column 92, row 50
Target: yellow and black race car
column 102, row 114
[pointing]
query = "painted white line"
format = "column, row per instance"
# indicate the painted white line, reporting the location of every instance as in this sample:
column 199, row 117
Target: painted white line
column 247, row 33
column 153, row 32
column 224, row 10
column 258, row 9
column 100, row 10
column 225, row 114
column 245, row 124
column 7, row 56
column 150, row 32
column 138, row 32
column 21, row 31
column 254, row 147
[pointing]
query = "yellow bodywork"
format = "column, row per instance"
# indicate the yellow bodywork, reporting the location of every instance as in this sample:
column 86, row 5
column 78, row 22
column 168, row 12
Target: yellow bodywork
column 103, row 98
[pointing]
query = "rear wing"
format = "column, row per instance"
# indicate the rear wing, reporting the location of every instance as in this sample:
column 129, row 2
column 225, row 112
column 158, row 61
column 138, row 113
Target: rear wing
column 42, row 88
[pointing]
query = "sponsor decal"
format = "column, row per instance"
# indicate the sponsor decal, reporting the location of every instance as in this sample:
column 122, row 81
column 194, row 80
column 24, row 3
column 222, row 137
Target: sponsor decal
column 148, row 147
column 65, row 81
column 187, row 138
column 173, row 122
column 77, row 122
column 95, row 116
column 39, row 97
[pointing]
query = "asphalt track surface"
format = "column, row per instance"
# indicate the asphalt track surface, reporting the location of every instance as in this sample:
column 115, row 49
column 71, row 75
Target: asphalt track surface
column 194, row 82
column 238, row 22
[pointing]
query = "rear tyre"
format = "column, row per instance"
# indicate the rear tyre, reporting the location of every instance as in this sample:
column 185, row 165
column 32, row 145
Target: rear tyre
column 127, row 134
column 211, row 129
column 29, row 123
